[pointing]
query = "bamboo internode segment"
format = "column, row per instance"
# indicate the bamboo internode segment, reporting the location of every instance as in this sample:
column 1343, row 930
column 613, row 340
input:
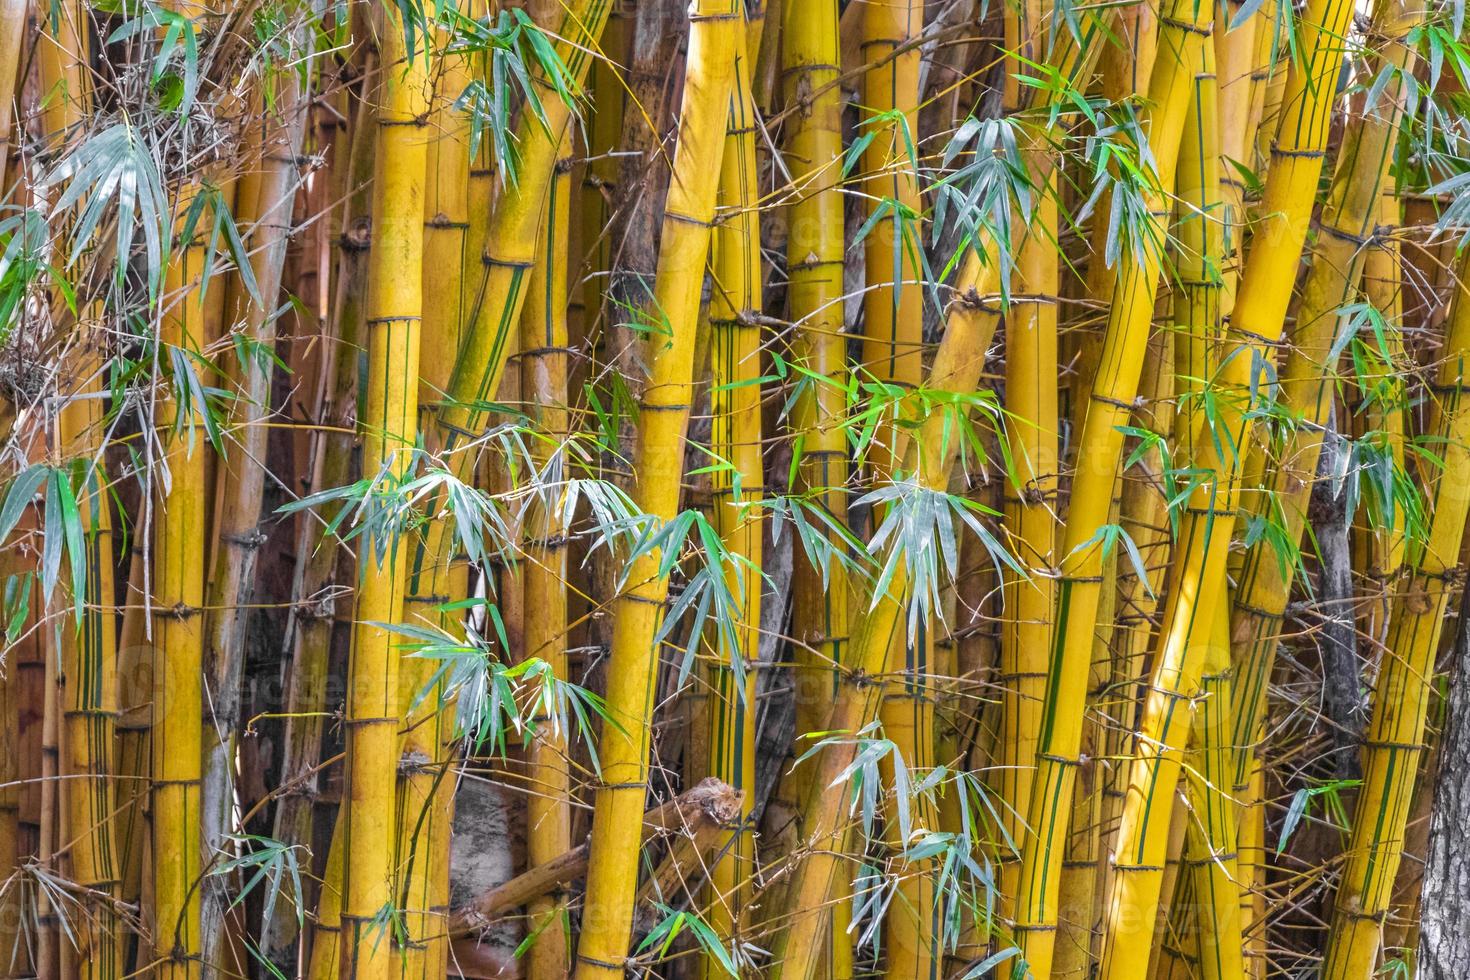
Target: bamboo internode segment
column 822, row 598
column 544, row 365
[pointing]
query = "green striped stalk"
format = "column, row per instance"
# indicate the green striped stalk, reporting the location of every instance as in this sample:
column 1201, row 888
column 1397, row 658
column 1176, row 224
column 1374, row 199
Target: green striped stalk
column 1210, row 840
column 1033, row 434
column 388, row 422
column 892, row 358
column 737, row 486
column 1235, row 53
column 1125, row 68
column 517, row 216
column 1184, row 32
column 425, row 793
column 1382, row 407
column 1201, row 221
column 1307, row 389
column 1143, row 514
column 544, row 362
column 822, row 598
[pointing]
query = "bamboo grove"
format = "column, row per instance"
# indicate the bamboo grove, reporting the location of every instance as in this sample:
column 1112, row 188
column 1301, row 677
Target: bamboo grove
column 799, row 489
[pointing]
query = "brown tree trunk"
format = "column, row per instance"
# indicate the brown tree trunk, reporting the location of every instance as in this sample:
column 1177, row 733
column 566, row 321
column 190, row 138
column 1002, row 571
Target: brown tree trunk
column 1444, row 942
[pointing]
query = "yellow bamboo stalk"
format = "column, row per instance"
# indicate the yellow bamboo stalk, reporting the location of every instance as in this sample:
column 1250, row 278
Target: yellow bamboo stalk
column 892, row 356
column 177, row 601
column 425, row 792
column 510, row 248
column 1022, row 665
column 545, row 357
column 499, row 289
column 797, row 947
column 814, row 247
column 1379, row 551
column 1201, row 220
column 1033, row 430
column 735, row 441
column 389, row 428
column 715, row 33
column 1235, row 53
column 821, row 597
column 80, row 712
column 89, row 708
column 1125, row 68
column 1210, row 843
column 1144, row 516
column 326, row 927
column 1395, row 737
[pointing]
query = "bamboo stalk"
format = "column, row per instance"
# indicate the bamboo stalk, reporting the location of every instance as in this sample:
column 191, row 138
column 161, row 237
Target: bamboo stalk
column 177, row 610
column 424, row 787
column 1210, row 843
column 499, row 291
column 544, row 363
column 715, row 31
column 808, row 56
column 1125, row 68
column 1033, row 432
column 1264, row 583
column 893, row 357
column 737, row 486
column 48, row 954
column 389, row 429
column 1201, row 222
column 970, row 323
column 89, row 710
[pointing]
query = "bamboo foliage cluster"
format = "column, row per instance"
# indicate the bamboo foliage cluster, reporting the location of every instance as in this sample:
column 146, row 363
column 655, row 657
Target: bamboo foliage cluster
column 782, row 488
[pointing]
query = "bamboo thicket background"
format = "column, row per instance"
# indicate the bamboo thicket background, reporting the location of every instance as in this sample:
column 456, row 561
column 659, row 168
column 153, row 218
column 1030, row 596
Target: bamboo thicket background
column 784, row 488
